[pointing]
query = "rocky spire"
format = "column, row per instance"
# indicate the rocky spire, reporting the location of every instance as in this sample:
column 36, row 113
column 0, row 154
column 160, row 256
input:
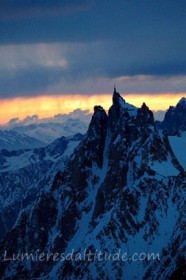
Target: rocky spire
column 117, row 104
column 182, row 104
column 98, row 123
column 145, row 116
column 117, row 100
column 90, row 151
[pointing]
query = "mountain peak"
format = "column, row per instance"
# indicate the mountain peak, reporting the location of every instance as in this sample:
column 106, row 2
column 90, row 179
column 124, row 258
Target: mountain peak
column 145, row 115
column 98, row 122
column 175, row 119
column 119, row 107
column 117, row 99
column 145, row 109
column 99, row 110
column 182, row 103
column 144, row 106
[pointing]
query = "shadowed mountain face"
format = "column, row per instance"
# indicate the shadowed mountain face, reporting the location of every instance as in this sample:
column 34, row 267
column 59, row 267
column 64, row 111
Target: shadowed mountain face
column 121, row 191
column 175, row 119
column 24, row 172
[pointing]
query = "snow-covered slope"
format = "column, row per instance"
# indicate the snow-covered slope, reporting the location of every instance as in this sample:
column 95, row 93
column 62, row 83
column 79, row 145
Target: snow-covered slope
column 178, row 144
column 159, row 115
column 110, row 199
column 25, row 172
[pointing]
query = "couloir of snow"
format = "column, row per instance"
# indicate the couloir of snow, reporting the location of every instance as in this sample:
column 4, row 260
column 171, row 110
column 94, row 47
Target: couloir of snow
column 178, row 145
column 165, row 168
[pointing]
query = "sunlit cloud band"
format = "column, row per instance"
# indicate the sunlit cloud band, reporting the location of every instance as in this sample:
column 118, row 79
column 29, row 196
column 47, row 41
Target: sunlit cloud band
column 46, row 106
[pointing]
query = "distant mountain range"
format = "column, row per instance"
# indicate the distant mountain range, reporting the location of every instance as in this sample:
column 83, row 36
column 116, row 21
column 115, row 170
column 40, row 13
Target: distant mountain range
column 12, row 140
column 48, row 132
column 159, row 115
column 120, row 192
column 33, row 132
column 174, row 122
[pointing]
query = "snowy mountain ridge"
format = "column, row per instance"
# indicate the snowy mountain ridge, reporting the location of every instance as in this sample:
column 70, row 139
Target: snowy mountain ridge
column 12, row 140
column 175, row 119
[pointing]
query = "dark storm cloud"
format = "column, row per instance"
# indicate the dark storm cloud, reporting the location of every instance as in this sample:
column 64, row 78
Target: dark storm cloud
column 13, row 9
column 36, row 72
column 102, row 39
column 91, row 20
column 116, row 59
column 32, row 81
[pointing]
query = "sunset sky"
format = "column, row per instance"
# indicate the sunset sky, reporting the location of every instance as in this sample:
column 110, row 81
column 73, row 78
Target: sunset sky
column 56, row 56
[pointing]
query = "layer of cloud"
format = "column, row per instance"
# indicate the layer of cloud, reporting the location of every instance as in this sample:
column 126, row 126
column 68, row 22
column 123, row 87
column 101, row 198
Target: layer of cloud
column 17, row 9
column 78, row 114
column 40, row 69
column 21, row 57
column 155, row 23
column 49, row 47
column 30, row 69
column 47, row 106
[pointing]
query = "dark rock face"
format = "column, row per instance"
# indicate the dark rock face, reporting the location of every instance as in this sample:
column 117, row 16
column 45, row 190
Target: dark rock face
column 114, row 193
column 91, row 149
column 175, row 119
column 145, row 117
column 115, row 110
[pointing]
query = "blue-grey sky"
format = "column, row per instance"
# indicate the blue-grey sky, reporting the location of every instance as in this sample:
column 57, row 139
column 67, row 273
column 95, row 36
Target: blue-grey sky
column 85, row 46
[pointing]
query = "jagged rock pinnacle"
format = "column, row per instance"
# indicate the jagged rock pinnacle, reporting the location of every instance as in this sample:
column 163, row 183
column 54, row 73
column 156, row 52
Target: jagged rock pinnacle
column 117, row 103
column 145, row 116
column 182, row 103
column 117, row 99
column 99, row 122
column 98, row 109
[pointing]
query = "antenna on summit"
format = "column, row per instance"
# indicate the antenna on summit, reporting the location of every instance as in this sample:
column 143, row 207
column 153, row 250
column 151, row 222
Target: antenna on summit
column 114, row 89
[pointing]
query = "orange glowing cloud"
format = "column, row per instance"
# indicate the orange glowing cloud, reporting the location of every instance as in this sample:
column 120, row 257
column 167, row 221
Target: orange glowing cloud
column 46, row 106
